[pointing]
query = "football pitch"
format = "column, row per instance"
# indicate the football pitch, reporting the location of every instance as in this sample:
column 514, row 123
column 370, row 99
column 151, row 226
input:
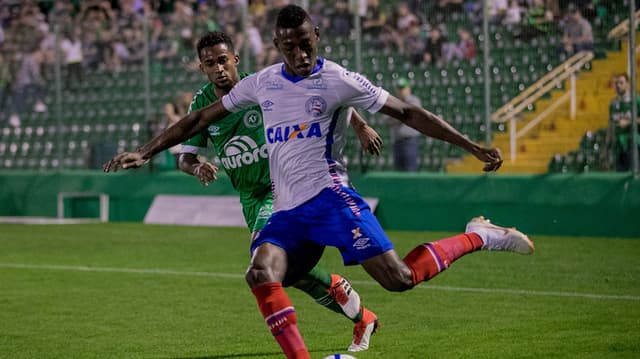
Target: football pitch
column 125, row 290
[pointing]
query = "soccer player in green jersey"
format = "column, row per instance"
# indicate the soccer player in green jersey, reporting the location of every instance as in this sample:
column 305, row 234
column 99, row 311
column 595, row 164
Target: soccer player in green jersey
column 619, row 134
column 240, row 145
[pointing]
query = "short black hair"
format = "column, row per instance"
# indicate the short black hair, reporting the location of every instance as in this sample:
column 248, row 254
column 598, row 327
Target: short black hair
column 291, row 16
column 213, row 38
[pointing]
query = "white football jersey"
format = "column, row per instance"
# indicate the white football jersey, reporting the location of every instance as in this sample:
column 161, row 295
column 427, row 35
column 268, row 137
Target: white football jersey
column 305, row 121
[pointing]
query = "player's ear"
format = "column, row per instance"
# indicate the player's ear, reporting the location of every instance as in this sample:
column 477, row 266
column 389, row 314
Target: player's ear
column 275, row 43
column 316, row 31
column 236, row 59
column 201, row 68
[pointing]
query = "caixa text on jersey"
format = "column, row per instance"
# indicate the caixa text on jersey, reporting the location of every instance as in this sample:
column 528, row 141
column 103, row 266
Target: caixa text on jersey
column 287, row 133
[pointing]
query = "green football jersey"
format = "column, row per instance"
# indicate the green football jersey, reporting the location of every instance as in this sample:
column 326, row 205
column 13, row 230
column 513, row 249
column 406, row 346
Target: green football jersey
column 238, row 140
column 621, row 109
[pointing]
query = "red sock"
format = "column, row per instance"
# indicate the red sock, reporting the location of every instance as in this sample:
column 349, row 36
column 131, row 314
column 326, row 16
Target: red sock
column 429, row 259
column 280, row 316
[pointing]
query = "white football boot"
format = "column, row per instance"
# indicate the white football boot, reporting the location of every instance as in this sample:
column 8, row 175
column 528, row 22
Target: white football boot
column 498, row 238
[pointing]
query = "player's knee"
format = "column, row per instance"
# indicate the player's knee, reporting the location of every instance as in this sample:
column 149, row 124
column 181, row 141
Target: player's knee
column 256, row 275
column 398, row 280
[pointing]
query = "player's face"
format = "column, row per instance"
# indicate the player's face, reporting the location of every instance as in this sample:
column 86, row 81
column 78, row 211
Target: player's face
column 621, row 85
column 220, row 65
column 299, row 48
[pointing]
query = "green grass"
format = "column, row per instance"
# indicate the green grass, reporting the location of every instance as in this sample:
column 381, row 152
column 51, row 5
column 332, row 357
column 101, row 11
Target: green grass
column 487, row 305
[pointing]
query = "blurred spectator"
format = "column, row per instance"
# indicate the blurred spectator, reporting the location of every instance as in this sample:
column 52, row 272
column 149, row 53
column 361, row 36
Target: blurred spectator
column 204, row 21
column 577, row 32
column 497, row 10
column 90, row 54
column 256, row 44
column 271, row 15
column 443, row 9
column 71, row 46
column 406, row 140
column 340, row 20
column 129, row 48
column 513, row 15
column 433, row 46
column 374, row 20
column 539, row 21
column 465, row 49
column 166, row 47
column 619, row 139
column 405, row 19
column 5, row 81
column 28, row 85
column 99, row 29
column 173, row 112
column 229, row 16
column 414, row 44
column 181, row 23
column 317, row 12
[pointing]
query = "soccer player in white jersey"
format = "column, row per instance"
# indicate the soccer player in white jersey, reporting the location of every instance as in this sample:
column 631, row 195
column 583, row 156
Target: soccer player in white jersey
column 249, row 174
column 302, row 100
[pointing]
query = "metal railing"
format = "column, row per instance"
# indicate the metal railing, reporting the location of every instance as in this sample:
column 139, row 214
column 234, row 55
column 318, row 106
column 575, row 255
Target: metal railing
column 510, row 111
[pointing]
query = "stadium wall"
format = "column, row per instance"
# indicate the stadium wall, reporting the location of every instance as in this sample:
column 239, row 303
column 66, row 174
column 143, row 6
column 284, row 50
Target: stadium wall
column 590, row 204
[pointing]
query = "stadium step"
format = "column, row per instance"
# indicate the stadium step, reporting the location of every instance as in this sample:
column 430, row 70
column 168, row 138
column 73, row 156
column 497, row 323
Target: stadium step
column 557, row 133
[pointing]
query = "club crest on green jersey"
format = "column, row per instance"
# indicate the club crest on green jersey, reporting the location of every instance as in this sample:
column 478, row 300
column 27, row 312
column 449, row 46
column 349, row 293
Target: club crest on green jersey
column 252, row 119
column 214, row 130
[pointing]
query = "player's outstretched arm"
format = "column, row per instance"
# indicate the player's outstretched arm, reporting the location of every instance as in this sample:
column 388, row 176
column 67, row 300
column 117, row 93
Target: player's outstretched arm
column 433, row 126
column 184, row 129
column 370, row 140
column 205, row 171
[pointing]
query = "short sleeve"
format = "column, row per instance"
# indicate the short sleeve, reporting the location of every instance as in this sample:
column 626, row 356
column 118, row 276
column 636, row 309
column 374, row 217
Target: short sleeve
column 242, row 95
column 194, row 144
column 361, row 93
column 196, row 102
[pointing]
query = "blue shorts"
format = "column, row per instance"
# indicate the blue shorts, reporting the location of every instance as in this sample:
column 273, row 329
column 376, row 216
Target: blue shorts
column 336, row 217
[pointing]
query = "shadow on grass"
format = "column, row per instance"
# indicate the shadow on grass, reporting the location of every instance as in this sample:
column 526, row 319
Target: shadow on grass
column 247, row 355
column 241, row 355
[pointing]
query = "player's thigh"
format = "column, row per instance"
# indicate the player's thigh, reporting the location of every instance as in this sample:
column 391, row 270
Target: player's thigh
column 348, row 224
column 285, row 230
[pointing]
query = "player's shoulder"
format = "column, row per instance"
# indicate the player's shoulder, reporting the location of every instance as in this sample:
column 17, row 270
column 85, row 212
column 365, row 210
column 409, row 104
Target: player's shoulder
column 353, row 79
column 205, row 91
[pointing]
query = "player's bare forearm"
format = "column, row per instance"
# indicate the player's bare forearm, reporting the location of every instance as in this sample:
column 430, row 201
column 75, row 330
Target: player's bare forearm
column 431, row 125
column 427, row 123
column 370, row 140
column 184, row 129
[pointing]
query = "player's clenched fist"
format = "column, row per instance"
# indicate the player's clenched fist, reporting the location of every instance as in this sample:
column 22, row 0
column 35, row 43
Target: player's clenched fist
column 206, row 172
column 125, row 160
column 491, row 157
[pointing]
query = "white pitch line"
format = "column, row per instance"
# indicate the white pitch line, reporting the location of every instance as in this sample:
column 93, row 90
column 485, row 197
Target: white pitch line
column 359, row 282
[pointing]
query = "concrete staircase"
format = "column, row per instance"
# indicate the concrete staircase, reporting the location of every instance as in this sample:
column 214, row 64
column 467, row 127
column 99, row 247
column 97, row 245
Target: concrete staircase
column 557, row 133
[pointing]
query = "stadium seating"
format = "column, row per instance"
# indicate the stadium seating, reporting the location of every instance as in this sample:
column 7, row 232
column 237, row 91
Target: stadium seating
column 107, row 111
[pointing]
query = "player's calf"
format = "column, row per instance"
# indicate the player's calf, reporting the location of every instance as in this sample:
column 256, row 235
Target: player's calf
column 346, row 297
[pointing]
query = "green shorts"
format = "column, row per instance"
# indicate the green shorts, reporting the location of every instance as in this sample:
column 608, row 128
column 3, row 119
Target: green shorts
column 257, row 210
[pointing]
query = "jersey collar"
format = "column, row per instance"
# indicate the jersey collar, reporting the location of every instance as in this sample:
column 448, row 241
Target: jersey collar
column 294, row 79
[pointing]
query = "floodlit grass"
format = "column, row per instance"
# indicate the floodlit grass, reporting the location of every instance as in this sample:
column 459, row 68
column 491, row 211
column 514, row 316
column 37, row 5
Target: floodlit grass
column 139, row 291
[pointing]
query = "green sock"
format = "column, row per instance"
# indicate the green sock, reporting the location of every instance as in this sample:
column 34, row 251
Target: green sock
column 316, row 284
